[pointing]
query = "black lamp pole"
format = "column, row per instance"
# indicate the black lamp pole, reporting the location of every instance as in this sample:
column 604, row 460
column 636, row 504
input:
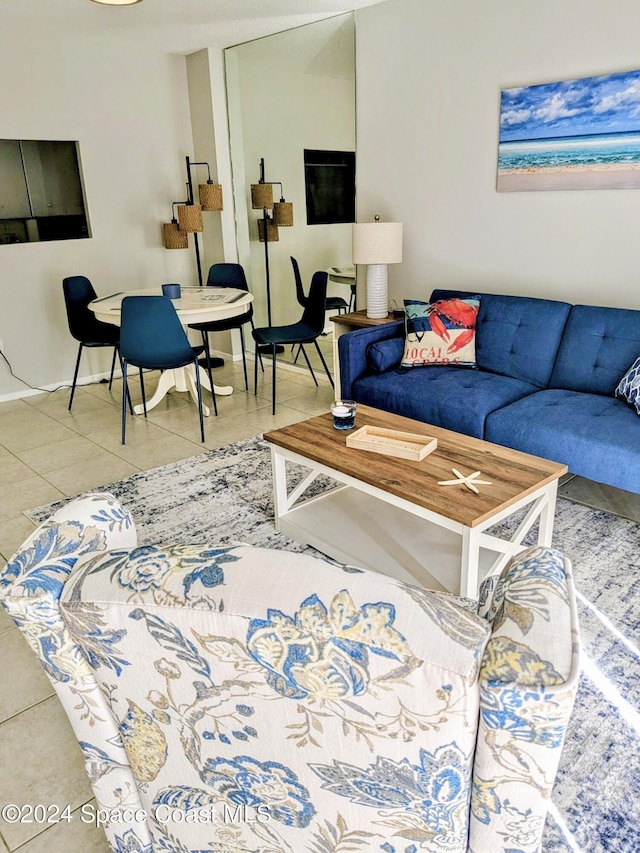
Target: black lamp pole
column 265, row 220
column 191, row 201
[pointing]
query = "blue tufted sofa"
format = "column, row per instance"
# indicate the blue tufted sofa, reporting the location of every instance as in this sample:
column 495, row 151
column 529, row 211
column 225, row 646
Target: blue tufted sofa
column 544, row 383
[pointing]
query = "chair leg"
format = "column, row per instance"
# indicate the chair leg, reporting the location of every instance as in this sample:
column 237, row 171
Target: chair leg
column 205, row 341
column 113, row 364
column 324, row 364
column 273, row 379
column 125, row 395
column 199, row 389
column 255, row 371
column 75, row 376
column 144, row 399
column 127, row 388
column 244, row 359
column 258, row 353
column 306, row 358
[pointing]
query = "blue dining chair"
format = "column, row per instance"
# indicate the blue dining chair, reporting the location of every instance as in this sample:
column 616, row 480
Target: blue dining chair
column 306, row 331
column 331, row 303
column 152, row 338
column 83, row 325
column 228, row 275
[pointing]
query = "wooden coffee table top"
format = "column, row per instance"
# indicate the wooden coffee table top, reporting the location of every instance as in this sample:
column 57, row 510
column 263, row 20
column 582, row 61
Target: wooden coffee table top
column 513, row 474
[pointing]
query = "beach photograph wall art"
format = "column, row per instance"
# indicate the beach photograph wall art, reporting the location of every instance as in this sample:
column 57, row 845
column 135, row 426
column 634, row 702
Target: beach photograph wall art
column 576, row 135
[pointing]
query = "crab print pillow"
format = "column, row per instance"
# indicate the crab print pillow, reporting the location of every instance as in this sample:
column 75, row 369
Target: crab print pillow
column 440, row 333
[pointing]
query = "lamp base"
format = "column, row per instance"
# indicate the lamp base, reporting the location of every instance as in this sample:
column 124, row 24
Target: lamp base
column 377, row 291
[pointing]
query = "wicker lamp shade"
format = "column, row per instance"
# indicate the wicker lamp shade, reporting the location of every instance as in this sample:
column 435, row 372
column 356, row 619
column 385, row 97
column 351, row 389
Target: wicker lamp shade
column 272, row 231
column 173, row 237
column 283, row 213
column 190, row 217
column 261, row 196
column 210, row 196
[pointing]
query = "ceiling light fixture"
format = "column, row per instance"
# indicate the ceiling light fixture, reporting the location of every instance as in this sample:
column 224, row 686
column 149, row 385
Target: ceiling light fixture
column 117, row 2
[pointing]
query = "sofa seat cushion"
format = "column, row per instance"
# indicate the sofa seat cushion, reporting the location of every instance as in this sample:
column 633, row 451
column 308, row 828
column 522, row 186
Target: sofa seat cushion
column 446, row 396
column 597, row 437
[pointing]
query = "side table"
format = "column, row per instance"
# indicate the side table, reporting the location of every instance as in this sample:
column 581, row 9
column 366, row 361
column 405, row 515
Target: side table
column 344, row 323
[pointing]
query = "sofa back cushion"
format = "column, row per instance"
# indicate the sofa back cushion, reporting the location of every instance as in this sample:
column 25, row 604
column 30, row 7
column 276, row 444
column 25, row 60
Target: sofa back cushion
column 599, row 345
column 516, row 336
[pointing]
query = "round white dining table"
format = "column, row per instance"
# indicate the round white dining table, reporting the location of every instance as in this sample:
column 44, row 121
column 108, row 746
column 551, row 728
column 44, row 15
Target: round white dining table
column 195, row 305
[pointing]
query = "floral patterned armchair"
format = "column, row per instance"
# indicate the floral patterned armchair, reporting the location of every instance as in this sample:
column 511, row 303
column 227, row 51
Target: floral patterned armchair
column 233, row 699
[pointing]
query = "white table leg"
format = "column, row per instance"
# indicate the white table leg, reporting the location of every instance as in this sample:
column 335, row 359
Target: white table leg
column 547, row 515
column 167, row 381
column 183, row 379
column 221, row 390
column 278, row 465
column 469, row 565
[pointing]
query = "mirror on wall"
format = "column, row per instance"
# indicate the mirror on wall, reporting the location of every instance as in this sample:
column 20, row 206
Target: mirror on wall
column 41, row 195
column 291, row 93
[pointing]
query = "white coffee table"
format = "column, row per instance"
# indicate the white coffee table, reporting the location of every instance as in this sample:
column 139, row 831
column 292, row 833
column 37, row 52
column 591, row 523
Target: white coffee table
column 390, row 514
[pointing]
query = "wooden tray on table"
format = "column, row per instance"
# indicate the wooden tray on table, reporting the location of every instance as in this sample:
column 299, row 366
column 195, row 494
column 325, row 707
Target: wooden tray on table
column 392, row 442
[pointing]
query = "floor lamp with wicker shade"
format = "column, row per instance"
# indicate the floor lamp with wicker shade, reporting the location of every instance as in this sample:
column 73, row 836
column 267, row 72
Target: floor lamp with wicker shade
column 189, row 214
column 274, row 214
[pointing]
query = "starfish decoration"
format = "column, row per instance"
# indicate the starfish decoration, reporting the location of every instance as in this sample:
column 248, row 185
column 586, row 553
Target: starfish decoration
column 470, row 481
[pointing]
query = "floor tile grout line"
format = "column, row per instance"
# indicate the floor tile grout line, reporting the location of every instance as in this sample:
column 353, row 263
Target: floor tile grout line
column 29, row 707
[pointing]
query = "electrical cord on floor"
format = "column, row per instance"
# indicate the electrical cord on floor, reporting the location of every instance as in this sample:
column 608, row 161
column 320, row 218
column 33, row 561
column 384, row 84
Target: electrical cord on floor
column 47, row 390
column 24, row 381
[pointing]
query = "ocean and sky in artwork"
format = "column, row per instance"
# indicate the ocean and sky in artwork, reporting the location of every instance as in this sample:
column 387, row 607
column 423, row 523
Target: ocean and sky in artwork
column 579, row 134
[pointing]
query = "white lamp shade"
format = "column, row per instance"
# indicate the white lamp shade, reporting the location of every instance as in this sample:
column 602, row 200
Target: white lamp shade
column 377, row 243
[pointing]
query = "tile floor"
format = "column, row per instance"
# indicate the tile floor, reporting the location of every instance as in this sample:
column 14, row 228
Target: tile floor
column 46, row 453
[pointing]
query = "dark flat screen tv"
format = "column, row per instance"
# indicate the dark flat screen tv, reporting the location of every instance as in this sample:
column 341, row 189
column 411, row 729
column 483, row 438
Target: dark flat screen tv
column 330, row 184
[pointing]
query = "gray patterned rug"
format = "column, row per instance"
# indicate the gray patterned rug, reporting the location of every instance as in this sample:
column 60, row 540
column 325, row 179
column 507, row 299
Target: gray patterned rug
column 225, row 495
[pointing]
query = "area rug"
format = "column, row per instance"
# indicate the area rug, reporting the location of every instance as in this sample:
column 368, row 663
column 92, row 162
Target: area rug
column 225, row 495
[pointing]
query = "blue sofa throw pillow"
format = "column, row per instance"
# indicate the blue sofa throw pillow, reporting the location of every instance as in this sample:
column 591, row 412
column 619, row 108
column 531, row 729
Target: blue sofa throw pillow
column 442, row 332
column 629, row 386
column 385, row 355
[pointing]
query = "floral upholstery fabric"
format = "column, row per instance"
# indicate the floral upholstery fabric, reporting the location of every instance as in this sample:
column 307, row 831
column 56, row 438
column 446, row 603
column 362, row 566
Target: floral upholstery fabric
column 528, row 682
column 30, row 588
column 248, row 700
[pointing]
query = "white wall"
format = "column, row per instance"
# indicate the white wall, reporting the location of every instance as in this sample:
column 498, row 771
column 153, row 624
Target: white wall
column 428, row 82
column 127, row 106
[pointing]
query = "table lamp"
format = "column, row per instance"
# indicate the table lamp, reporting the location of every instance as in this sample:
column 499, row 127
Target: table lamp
column 377, row 244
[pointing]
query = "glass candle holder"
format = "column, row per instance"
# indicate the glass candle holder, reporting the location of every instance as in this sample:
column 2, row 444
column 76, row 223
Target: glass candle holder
column 344, row 414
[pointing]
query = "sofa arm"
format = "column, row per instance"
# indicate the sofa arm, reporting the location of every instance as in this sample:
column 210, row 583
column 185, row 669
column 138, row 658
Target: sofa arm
column 30, row 589
column 352, row 351
column 528, row 683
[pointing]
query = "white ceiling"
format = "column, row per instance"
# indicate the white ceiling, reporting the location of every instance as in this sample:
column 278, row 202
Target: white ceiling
column 177, row 26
